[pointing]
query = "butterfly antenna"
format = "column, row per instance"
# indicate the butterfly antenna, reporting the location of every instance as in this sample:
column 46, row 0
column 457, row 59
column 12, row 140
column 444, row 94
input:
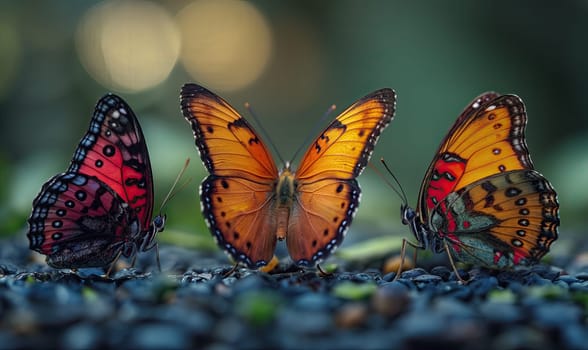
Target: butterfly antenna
column 396, row 188
column 173, row 191
column 318, row 125
column 265, row 133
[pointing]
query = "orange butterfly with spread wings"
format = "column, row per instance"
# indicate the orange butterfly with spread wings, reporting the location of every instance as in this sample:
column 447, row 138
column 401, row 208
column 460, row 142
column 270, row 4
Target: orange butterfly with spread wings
column 248, row 204
column 481, row 199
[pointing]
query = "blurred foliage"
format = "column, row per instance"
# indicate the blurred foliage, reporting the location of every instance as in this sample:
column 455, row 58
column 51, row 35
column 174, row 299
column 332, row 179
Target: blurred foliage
column 437, row 55
column 354, row 291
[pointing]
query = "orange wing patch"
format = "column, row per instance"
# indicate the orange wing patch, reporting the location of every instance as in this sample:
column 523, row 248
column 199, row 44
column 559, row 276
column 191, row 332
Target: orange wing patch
column 320, row 218
column 491, row 140
column 238, row 212
column 343, row 149
column 226, row 142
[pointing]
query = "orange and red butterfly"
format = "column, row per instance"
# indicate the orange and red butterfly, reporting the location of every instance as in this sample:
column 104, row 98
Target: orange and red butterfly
column 481, row 199
column 248, row 204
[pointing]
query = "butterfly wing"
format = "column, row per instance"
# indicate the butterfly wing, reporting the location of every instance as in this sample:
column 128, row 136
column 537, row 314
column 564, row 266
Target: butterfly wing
column 114, row 151
column 502, row 220
column 327, row 193
column 78, row 221
column 236, row 197
column 103, row 202
column 487, row 138
column 486, row 149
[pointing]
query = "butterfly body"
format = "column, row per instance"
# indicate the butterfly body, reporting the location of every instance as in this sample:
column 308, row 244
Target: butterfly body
column 101, row 206
column 248, row 204
column 481, row 199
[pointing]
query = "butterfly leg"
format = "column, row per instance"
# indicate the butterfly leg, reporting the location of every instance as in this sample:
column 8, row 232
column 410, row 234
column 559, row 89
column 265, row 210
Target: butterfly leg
column 231, row 271
column 322, row 272
column 460, row 280
column 403, row 254
column 111, row 267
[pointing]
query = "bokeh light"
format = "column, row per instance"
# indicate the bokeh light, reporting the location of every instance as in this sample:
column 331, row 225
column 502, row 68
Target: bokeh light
column 226, row 44
column 129, row 45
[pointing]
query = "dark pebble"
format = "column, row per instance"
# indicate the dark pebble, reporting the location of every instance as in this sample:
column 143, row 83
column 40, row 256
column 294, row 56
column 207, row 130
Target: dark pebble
column 410, row 274
column 389, row 277
column 305, row 322
column 158, row 336
column 442, row 271
column 556, row 314
column 81, row 336
column 391, row 299
column 426, row 279
column 501, row 313
column 583, row 275
column 315, row 301
column 568, row 279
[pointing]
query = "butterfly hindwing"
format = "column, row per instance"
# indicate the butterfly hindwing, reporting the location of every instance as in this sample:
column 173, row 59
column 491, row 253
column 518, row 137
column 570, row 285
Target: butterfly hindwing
column 239, row 214
column 78, row 221
column 320, row 218
column 502, row 220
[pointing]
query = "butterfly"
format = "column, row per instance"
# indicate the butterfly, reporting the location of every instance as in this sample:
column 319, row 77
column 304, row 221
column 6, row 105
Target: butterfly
column 248, row 204
column 481, row 199
column 101, row 206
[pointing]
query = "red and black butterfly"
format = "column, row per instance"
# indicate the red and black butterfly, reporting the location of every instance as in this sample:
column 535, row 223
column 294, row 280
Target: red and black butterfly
column 101, row 206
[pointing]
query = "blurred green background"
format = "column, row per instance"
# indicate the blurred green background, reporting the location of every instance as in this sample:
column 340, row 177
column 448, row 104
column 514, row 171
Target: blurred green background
column 291, row 60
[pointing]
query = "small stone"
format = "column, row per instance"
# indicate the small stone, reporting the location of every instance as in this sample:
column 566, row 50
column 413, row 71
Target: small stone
column 315, row 301
column 81, row 336
column 410, row 274
column 158, row 336
column 442, row 271
column 426, row 279
column 304, row 322
column 391, row 299
column 556, row 314
column 568, row 279
column 389, row 277
column 501, row 313
column 351, row 315
column 583, row 275
column 574, row 336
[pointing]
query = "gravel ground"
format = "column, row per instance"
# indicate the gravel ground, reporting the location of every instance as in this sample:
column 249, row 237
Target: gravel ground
column 192, row 305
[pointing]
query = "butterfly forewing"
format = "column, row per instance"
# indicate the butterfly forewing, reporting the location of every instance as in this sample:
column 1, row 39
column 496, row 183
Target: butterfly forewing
column 226, row 142
column 114, row 150
column 343, row 149
column 488, row 138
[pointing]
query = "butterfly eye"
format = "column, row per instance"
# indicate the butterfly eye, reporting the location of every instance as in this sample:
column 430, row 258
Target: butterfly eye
column 408, row 214
column 158, row 223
